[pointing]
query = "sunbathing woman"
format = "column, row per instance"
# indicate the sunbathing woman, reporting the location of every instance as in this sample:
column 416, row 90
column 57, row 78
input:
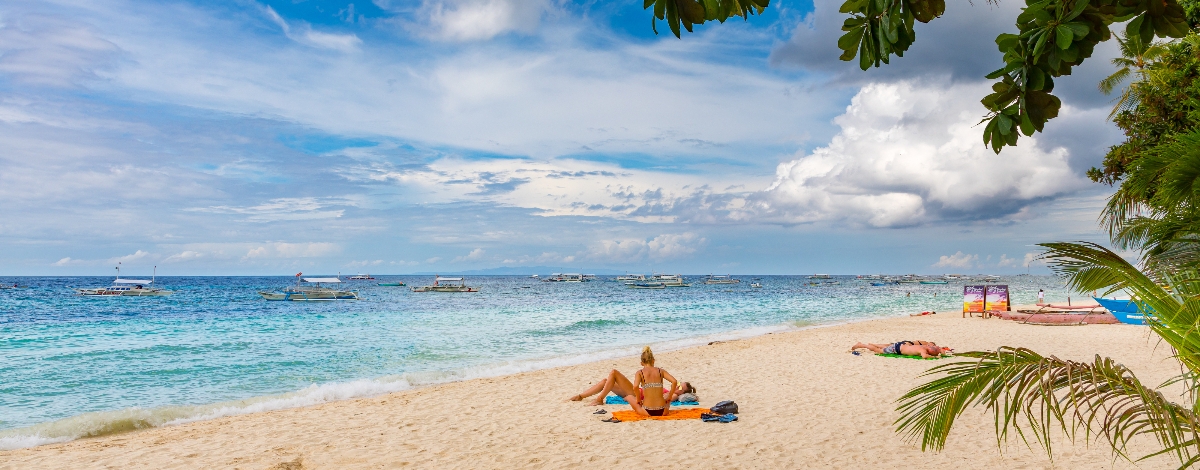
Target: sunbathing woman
column 925, row 349
column 640, row 394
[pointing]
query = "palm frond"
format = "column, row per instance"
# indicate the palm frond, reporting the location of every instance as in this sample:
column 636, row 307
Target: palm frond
column 1110, row 83
column 1032, row 394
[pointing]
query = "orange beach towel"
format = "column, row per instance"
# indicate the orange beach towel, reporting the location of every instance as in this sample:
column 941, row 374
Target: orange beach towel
column 685, row 413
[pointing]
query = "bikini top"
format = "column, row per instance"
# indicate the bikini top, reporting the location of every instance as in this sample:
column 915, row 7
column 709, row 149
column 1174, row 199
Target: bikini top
column 658, row 384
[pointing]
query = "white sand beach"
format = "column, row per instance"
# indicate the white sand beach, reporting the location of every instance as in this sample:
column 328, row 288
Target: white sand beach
column 805, row 403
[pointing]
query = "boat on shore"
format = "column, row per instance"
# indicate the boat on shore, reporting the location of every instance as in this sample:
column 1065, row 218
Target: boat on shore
column 127, row 288
column 311, row 289
column 446, row 284
column 721, row 279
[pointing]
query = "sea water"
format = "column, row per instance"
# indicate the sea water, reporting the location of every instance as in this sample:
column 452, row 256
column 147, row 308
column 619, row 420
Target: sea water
column 73, row 366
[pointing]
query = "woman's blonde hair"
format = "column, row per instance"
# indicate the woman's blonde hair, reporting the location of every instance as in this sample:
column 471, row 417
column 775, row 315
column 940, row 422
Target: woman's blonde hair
column 647, row 356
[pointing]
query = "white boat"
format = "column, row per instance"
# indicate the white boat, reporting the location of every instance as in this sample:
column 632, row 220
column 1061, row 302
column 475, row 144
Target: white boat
column 669, row 280
column 535, row 276
column 127, row 288
column 561, row 277
column 756, row 285
column 719, row 279
column 446, row 284
column 311, row 289
column 820, row 276
column 631, row 278
column 362, row 277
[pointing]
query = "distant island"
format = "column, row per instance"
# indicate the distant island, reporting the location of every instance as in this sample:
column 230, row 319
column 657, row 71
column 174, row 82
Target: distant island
column 525, row 270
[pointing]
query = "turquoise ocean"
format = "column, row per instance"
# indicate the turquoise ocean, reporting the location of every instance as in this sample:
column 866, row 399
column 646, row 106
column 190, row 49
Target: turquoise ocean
column 74, row 366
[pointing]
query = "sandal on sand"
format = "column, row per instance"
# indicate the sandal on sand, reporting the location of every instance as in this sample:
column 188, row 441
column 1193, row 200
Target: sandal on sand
column 611, row 420
column 600, row 412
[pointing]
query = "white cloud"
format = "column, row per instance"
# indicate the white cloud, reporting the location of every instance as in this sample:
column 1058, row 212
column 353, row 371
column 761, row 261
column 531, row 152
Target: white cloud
column 1005, row 261
column 187, row 255
column 288, row 208
column 304, row 34
column 910, row 153
column 50, row 50
column 474, row 255
column 292, row 250
column 67, row 262
column 957, row 260
column 665, row 246
column 433, row 259
column 474, row 20
column 1030, row 258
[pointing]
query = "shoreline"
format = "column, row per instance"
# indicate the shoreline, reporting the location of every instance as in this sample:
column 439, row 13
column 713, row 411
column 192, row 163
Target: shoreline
column 805, row 402
column 116, row 422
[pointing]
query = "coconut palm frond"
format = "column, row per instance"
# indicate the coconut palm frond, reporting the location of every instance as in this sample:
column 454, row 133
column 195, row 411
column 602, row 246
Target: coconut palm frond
column 1032, row 394
column 1175, row 314
column 1109, row 83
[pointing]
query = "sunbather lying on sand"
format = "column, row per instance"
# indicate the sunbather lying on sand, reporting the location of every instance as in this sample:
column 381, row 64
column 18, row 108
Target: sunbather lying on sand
column 925, row 349
column 640, row 393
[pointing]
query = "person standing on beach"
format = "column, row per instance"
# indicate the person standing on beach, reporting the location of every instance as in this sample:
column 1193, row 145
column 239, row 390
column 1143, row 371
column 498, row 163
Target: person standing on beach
column 1041, row 297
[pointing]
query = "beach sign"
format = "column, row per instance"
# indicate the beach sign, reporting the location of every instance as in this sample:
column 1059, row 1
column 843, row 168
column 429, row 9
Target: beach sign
column 996, row 298
column 973, row 298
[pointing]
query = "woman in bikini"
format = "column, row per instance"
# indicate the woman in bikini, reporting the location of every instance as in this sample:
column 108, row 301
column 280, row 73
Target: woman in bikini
column 640, row 394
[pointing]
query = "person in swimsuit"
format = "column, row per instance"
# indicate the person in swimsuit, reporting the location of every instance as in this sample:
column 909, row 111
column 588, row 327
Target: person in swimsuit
column 925, row 349
column 619, row 384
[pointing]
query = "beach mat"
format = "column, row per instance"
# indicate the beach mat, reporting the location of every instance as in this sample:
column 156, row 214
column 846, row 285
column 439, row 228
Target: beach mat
column 909, row 357
column 689, row 413
column 615, row 400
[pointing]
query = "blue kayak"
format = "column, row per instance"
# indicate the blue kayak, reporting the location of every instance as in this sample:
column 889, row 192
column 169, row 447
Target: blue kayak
column 1126, row 311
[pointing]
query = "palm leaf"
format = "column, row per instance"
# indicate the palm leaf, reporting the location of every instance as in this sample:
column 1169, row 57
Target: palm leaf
column 1033, row 394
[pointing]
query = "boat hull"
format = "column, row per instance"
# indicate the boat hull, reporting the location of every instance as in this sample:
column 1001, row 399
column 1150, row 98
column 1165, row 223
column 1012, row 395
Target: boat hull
column 1126, row 311
column 444, row 289
column 124, row 293
column 303, row 296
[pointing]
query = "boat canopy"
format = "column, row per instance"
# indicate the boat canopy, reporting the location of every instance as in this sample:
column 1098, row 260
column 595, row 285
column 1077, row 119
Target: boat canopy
column 132, row 281
column 449, row 278
column 322, row 279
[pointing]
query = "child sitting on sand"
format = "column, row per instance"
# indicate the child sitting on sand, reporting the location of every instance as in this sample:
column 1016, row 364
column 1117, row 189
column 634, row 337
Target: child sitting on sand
column 925, row 349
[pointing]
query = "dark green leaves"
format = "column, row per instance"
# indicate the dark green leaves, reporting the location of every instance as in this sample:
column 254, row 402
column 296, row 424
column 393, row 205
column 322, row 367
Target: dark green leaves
column 687, row 13
column 1053, row 37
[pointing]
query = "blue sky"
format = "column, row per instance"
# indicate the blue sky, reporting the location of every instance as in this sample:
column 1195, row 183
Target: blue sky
column 250, row 137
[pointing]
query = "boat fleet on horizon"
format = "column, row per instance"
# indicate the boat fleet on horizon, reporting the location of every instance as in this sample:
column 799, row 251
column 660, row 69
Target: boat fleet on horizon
column 330, row 288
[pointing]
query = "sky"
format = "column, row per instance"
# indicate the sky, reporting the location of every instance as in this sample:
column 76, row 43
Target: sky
column 242, row 137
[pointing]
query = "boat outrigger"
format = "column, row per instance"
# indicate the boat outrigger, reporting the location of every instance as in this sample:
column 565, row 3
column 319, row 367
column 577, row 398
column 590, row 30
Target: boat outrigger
column 127, row 288
column 446, row 284
column 311, row 292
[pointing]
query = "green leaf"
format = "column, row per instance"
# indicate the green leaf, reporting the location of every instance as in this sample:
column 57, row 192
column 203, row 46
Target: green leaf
column 1063, row 36
column 849, row 43
column 1003, row 123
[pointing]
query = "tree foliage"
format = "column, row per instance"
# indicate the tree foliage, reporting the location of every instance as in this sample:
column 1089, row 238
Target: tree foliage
column 687, row 13
column 1166, row 103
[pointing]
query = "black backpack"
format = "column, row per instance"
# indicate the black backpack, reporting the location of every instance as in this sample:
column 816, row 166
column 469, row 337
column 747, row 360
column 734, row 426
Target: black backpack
column 724, row 407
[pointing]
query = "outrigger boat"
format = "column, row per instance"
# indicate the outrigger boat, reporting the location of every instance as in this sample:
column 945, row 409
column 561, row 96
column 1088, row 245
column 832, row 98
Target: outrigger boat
column 561, row 277
column 721, row 280
column 312, row 292
column 670, row 280
column 446, row 284
column 127, row 288
column 756, row 285
column 362, row 277
column 627, row 278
